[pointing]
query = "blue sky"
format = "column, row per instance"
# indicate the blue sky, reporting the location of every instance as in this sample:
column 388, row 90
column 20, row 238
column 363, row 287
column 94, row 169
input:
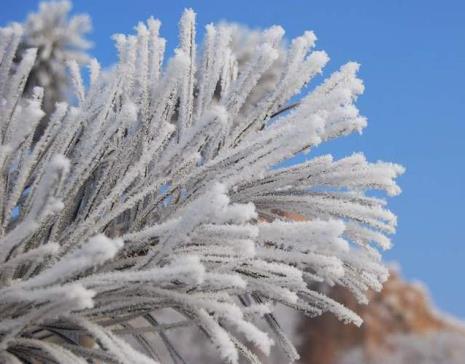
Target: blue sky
column 413, row 64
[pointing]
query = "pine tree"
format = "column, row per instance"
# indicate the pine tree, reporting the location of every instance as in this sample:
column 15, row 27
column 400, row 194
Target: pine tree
column 58, row 39
column 158, row 189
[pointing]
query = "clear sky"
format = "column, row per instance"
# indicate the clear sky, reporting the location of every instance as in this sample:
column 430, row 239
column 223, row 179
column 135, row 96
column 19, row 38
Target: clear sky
column 413, row 64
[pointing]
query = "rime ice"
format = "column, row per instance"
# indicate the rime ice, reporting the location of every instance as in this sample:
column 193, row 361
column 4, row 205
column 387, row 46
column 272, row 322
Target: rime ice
column 157, row 188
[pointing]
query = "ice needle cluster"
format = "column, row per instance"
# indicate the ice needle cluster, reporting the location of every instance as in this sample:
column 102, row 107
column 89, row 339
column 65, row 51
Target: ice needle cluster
column 156, row 188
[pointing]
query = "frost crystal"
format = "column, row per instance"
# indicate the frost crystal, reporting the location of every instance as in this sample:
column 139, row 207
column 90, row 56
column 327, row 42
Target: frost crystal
column 157, row 190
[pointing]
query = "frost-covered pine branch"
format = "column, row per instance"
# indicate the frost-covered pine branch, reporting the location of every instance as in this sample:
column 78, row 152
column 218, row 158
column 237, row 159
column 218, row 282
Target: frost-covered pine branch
column 157, row 190
column 59, row 39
